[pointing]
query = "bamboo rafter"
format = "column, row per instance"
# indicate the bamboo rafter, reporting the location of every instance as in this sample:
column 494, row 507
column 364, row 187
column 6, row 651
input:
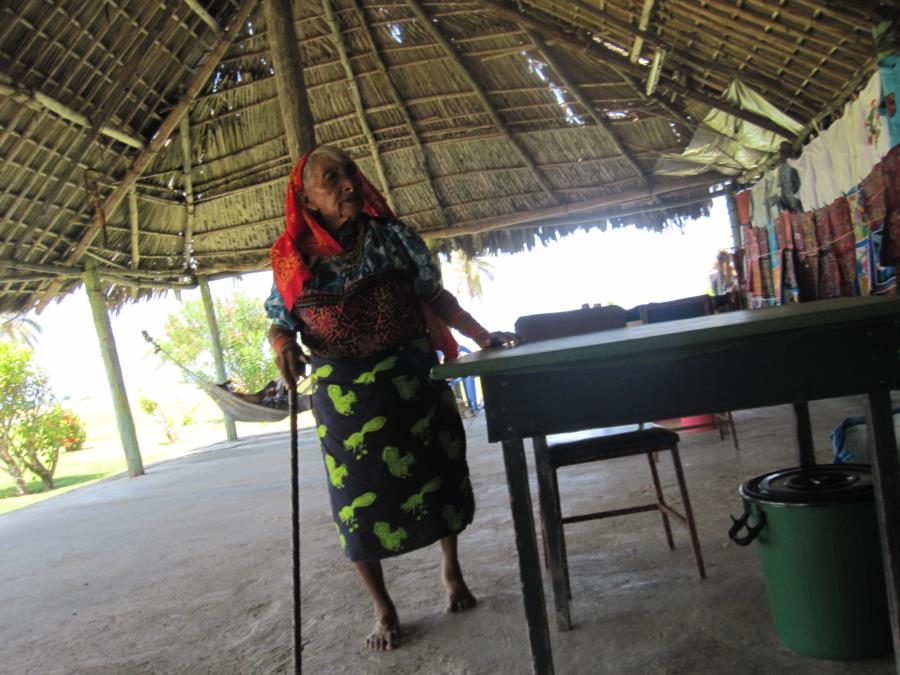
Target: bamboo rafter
column 445, row 44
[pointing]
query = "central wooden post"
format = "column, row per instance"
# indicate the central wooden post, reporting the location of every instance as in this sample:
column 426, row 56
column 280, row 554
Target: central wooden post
column 292, row 100
column 213, row 325
column 113, row 371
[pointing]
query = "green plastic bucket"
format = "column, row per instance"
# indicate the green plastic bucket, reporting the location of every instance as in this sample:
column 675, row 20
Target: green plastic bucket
column 818, row 544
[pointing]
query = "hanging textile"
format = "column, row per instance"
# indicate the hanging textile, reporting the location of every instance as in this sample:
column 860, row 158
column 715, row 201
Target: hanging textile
column 862, row 241
column 889, row 70
column 842, row 244
column 890, row 251
column 829, row 273
column 791, row 292
column 743, row 200
column 805, row 243
column 775, row 250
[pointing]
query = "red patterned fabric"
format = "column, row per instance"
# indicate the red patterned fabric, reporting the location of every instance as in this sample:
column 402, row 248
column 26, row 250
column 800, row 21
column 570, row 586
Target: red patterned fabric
column 374, row 315
column 829, row 272
column 873, row 189
column 890, row 247
column 842, row 244
column 807, row 246
column 303, row 235
column 742, row 200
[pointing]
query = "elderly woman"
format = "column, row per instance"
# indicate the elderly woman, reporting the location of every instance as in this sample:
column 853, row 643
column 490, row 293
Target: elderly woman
column 365, row 296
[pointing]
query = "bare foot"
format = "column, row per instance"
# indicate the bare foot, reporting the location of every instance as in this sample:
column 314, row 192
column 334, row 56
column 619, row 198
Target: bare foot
column 459, row 597
column 385, row 634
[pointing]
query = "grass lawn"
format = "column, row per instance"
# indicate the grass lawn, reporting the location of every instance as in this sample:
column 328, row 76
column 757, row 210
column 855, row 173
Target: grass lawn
column 196, row 421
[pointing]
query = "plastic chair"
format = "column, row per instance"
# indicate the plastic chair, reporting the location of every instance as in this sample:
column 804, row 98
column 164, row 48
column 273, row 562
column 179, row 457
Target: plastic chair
column 560, row 450
column 687, row 308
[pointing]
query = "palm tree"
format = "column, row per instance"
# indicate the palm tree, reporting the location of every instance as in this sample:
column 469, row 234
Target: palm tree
column 19, row 328
column 469, row 274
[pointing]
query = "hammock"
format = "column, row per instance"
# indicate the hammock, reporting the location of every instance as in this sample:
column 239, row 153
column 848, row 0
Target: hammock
column 270, row 404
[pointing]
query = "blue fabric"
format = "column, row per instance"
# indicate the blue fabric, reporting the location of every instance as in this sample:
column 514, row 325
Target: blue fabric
column 844, row 454
column 889, row 70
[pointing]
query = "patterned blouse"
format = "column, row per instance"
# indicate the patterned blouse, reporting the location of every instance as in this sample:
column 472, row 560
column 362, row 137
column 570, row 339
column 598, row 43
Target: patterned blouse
column 366, row 299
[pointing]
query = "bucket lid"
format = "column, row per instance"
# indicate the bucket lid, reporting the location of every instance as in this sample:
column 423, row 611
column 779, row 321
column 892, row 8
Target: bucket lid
column 816, row 485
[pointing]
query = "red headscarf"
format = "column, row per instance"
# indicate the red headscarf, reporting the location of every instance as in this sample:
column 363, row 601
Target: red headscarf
column 303, row 235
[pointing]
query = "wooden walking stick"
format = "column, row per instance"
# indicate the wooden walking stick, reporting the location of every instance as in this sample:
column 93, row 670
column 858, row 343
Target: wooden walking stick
column 295, row 527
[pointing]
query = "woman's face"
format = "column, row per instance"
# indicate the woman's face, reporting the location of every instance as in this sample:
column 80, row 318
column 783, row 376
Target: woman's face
column 333, row 190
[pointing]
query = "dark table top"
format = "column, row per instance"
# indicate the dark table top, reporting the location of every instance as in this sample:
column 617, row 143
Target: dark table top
column 687, row 336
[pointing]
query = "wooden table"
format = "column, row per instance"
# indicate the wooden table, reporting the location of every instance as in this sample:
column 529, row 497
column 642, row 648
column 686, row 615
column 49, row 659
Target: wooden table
column 747, row 359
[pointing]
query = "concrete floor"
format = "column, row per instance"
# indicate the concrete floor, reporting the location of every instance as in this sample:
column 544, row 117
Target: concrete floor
column 187, row 570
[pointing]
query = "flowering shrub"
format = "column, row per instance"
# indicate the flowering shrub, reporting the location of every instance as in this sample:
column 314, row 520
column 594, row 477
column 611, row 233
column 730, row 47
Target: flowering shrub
column 74, row 433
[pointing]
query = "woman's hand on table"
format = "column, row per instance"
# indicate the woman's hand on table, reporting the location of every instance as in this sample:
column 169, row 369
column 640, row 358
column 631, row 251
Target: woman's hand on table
column 500, row 339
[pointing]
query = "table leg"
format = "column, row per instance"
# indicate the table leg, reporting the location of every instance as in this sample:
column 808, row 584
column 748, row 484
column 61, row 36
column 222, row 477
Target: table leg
column 529, row 562
column 886, row 472
column 806, row 454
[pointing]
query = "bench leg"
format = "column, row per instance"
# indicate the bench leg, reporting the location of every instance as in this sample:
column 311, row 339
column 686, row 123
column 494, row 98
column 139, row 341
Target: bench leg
column 688, row 512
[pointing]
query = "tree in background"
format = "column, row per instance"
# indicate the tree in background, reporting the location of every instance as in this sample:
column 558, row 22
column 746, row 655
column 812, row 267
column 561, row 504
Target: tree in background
column 242, row 325
column 19, row 328
column 469, row 272
column 33, row 426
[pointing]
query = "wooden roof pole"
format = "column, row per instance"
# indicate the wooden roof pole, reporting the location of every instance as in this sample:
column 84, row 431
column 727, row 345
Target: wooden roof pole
column 621, row 63
column 285, row 52
column 510, row 219
column 422, row 154
column 585, row 103
column 207, row 18
column 646, row 10
column 427, row 24
column 603, row 18
column 196, row 83
column 40, row 102
column 135, row 228
column 184, row 133
column 357, row 101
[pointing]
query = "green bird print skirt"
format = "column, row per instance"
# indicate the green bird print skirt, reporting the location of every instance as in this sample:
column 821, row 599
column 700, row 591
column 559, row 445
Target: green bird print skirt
column 394, row 450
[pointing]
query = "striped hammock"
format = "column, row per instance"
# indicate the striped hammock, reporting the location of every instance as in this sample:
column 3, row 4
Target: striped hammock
column 237, row 405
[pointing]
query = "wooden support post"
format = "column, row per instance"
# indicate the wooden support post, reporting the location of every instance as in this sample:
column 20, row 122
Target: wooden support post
column 113, row 370
column 135, row 228
column 184, row 132
column 289, row 83
column 212, row 324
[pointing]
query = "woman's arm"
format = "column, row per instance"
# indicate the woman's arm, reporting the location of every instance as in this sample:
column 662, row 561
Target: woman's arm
column 447, row 307
column 282, row 336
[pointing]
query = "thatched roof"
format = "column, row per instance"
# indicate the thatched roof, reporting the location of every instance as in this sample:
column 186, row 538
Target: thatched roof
column 485, row 122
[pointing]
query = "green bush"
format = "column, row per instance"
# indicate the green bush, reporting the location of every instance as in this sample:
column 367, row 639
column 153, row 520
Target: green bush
column 32, row 424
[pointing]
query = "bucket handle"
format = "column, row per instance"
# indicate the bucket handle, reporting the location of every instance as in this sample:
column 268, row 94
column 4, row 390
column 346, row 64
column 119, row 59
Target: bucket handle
column 752, row 530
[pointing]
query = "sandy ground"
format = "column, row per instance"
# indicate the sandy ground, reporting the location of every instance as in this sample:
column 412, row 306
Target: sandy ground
column 187, row 570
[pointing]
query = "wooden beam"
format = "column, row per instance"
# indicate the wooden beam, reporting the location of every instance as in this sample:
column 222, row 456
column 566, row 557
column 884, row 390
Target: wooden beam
column 207, row 18
column 646, row 10
column 422, row 155
column 107, row 341
column 40, row 102
column 536, row 215
column 186, row 155
column 135, row 229
column 195, row 84
column 215, row 338
column 428, row 25
column 586, row 103
column 358, row 104
column 292, row 95
column 621, row 63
